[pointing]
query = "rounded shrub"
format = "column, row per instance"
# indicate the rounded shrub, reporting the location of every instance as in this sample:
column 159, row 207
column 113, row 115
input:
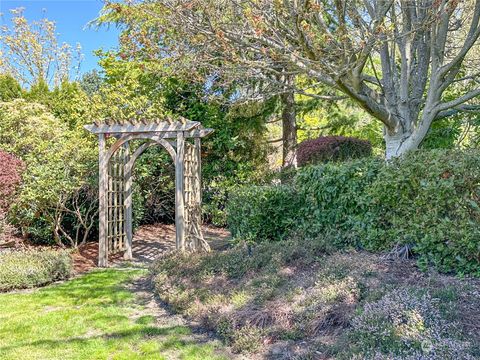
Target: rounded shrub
column 10, row 177
column 332, row 148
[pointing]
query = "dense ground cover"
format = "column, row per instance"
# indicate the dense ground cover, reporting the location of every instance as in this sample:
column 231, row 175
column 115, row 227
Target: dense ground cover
column 95, row 316
column 31, row 268
column 302, row 299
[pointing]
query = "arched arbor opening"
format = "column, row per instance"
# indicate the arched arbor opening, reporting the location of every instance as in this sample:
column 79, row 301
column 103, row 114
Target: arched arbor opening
column 182, row 140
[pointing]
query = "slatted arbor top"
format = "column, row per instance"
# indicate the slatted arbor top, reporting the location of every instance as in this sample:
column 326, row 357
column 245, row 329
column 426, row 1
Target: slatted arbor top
column 170, row 127
column 115, row 180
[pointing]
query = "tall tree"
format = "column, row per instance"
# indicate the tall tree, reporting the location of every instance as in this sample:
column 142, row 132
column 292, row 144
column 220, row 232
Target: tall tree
column 30, row 51
column 395, row 58
column 154, row 55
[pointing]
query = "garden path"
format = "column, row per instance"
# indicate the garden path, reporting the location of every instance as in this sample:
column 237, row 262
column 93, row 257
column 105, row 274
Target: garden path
column 149, row 242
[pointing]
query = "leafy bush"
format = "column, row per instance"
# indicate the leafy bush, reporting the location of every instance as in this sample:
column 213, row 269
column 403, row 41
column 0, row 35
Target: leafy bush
column 262, row 213
column 32, row 268
column 427, row 203
column 10, row 171
column 332, row 148
column 9, row 88
column 332, row 198
column 59, row 171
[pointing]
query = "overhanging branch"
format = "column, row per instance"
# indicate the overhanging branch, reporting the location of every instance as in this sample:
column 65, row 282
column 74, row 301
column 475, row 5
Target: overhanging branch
column 454, row 111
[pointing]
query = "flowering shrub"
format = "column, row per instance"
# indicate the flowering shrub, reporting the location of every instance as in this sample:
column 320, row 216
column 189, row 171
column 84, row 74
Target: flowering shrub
column 10, row 171
column 409, row 325
column 332, row 148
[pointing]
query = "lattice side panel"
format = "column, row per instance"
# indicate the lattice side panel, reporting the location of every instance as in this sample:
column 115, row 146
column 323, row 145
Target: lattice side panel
column 116, row 230
column 192, row 198
column 187, row 192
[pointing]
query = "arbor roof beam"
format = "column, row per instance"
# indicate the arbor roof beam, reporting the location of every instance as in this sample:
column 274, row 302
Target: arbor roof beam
column 141, row 128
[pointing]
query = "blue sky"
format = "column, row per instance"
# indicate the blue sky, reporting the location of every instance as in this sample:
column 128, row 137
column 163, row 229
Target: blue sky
column 71, row 17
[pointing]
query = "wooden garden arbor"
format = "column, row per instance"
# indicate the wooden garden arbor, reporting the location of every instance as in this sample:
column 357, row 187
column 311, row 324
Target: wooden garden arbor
column 182, row 140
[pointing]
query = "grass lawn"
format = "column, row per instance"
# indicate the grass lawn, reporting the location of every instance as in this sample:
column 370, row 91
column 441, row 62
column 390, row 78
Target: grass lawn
column 95, row 316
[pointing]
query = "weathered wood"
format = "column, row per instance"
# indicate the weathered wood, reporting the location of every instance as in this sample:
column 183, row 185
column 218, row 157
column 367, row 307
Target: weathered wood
column 192, row 194
column 141, row 128
column 102, row 197
column 187, row 191
column 114, row 220
column 125, row 159
column 179, row 193
column 194, row 133
column 128, row 206
column 115, row 185
column 158, row 139
column 197, row 224
column 198, row 159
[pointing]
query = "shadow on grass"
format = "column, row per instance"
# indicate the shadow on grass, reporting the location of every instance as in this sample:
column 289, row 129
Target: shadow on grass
column 125, row 335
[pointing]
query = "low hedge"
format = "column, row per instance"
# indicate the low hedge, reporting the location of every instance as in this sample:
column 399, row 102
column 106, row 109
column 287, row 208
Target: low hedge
column 33, row 268
column 427, row 202
column 262, row 213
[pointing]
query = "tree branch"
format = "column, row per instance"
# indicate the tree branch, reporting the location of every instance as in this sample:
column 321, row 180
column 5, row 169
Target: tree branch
column 456, row 110
column 458, row 101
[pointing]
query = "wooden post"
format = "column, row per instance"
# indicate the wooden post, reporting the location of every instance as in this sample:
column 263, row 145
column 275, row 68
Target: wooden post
column 197, row 185
column 179, row 193
column 114, row 204
column 102, row 198
column 198, row 175
column 128, row 207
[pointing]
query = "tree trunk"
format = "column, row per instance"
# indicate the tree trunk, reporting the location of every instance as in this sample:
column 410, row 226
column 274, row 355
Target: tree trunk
column 394, row 145
column 401, row 142
column 289, row 129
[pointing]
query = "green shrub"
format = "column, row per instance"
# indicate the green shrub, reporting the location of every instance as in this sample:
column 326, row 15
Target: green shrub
column 332, row 198
column 262, row 213
column 427, row 203
column 32, row 268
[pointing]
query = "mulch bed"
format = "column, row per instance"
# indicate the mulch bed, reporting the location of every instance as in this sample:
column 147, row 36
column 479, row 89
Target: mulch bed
column 149, row 242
